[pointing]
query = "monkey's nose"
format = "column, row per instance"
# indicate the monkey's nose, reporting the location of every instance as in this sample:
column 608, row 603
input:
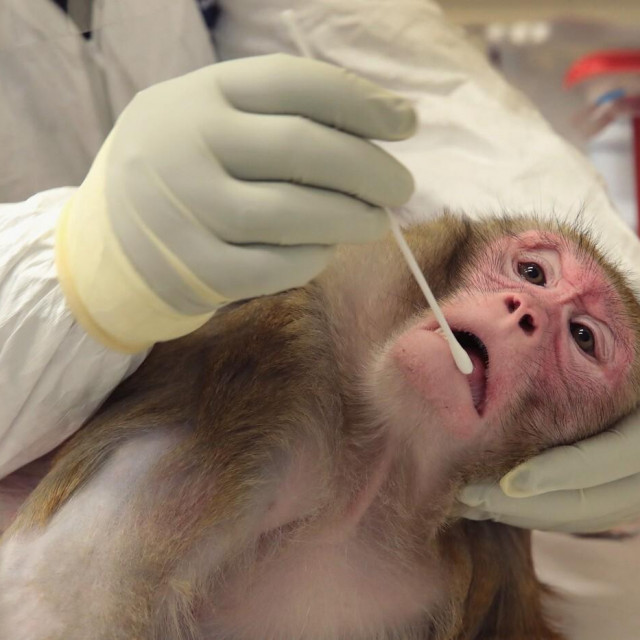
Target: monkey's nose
column 526, row 319
column 513, row 304
column 527, row 324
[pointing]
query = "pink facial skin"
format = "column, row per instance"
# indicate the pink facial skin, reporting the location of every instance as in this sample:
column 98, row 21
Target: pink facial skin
column 528, row 331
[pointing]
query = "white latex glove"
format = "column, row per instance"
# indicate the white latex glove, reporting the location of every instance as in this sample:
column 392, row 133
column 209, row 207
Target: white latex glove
column 590, row 486
column 230, row 182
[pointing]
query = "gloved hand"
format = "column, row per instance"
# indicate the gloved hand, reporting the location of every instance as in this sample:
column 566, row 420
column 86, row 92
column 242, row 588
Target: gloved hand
column 587, row 487
column 230, row 182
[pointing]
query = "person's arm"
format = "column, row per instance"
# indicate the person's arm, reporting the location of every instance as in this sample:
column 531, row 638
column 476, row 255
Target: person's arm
column 52, row 374
column 231, row 182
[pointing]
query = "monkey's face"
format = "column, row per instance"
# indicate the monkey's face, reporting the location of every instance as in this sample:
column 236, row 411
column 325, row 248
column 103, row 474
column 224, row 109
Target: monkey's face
column 551, row 347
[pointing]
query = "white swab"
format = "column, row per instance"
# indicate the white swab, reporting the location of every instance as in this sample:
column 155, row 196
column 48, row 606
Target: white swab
column 460, row 356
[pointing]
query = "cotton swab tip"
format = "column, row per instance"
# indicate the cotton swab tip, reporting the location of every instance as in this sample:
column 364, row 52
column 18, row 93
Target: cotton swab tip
column 460, row 357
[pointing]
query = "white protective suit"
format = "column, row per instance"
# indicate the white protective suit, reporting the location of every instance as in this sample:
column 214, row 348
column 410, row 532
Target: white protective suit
column 59, row 97
column 481, row 148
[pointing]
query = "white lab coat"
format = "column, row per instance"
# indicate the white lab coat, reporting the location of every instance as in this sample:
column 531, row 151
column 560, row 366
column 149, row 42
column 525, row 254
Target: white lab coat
column 59, row 97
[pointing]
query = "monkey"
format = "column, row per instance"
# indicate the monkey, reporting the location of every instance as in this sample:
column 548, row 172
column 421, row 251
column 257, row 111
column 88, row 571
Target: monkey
column 290, row 470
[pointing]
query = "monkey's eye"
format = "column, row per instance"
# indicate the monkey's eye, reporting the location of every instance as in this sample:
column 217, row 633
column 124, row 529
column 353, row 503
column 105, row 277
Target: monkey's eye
column 584, row 337
column 532, row 272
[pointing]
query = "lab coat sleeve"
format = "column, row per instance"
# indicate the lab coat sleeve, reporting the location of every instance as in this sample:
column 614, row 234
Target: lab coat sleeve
column 53, row 376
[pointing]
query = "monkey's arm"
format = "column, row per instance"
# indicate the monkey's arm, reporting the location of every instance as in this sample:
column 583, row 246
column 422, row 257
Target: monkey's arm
column 56, row 579
column 125, row 557
column 145, row 504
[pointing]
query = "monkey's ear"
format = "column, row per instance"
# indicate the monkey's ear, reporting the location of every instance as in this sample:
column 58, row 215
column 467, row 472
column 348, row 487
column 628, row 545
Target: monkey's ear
column 505, row 596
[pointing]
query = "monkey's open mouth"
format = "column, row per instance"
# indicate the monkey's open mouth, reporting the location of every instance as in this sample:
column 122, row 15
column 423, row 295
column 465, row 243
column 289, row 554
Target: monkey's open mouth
column 479, row 355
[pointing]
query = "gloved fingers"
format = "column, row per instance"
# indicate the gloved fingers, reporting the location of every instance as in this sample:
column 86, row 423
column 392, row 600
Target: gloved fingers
column 242, row 212
column 246, row 271
column 514, row 521
column 577, row 511
column 154, row 239
column 282, row 84
column 604, row 458
column 294, row 149
column 287, row 214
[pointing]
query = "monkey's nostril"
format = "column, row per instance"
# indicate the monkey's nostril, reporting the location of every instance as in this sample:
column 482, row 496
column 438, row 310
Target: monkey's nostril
column 512, row 304
column 527, row 324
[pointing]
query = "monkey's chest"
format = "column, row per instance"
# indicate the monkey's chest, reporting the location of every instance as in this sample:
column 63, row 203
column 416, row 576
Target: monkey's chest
column 323, row 586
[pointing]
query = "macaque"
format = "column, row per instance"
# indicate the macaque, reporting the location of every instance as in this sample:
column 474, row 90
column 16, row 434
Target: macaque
column 290, row 471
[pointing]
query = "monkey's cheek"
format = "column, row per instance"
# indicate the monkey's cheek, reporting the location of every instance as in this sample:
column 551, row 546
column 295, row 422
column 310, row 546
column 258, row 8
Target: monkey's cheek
column 423, row 360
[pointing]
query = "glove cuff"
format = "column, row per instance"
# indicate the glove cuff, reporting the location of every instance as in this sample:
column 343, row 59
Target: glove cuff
column 106, row 295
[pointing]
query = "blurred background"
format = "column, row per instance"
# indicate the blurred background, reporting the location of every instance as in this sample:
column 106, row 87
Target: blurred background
column 536, row 42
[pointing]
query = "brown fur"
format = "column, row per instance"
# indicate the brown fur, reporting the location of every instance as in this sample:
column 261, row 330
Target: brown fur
column 504, row 598
column 264, row 374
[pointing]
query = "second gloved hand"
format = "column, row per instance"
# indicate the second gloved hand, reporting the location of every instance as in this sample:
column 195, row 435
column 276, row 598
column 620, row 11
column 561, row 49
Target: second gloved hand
column 230, row 182
column 587, row 487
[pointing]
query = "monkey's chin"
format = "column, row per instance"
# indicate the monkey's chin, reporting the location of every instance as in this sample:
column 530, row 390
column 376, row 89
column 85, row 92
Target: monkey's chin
column 428, row 372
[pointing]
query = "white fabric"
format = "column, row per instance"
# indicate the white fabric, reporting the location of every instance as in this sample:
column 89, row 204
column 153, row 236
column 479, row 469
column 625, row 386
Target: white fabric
column 52, row 375
column 596, row 582
column 59, row 96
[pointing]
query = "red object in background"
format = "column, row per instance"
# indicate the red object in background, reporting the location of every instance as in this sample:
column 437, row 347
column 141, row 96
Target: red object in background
column 636, row 158
column 603, row 63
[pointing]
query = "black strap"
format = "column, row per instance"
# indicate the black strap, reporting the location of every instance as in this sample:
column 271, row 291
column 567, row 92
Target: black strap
column 82, row 21
column 210, row 12
column 62, row 4
column 209, row 9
